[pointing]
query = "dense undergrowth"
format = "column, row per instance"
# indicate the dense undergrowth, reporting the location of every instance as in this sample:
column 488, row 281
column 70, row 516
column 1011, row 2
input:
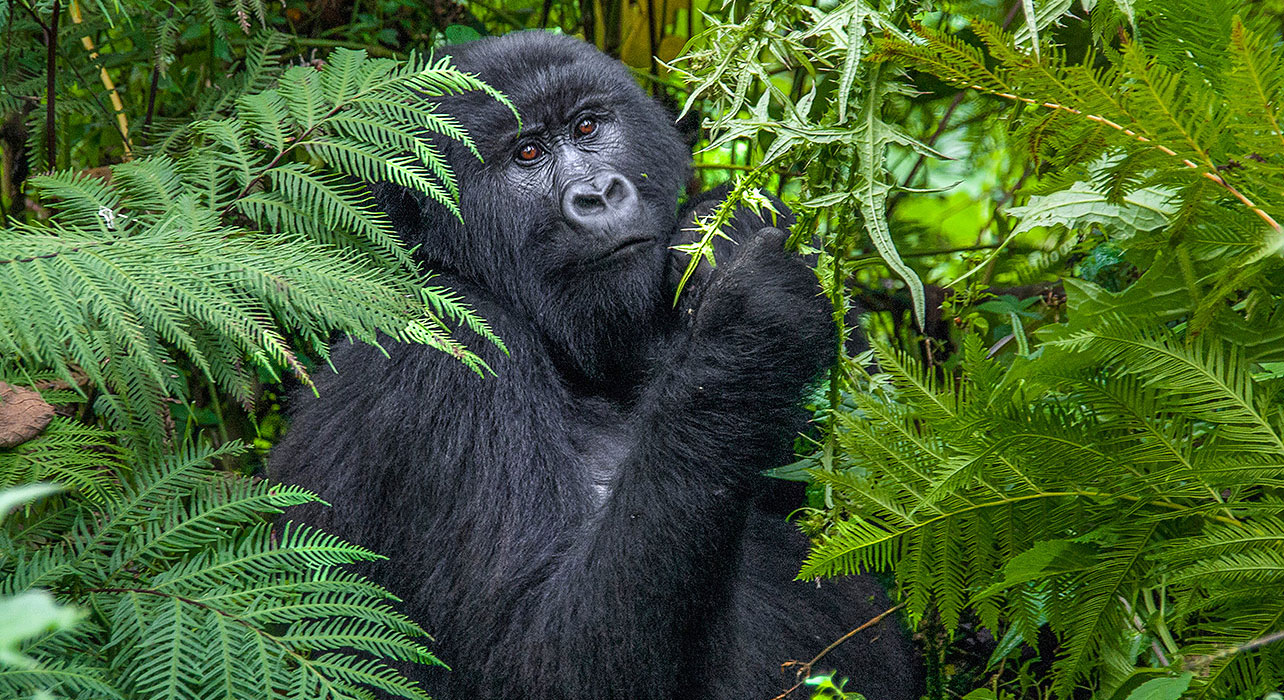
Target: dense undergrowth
column 1063, row 218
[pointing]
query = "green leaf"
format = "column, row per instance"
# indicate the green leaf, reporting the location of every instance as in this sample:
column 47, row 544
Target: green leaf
column 1162, row 688
column 27, row 615
column 460, row 33
column 21, row 495
column 1045, row 559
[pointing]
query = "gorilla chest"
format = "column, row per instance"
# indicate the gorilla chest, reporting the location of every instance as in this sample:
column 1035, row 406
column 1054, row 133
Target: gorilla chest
column 599, row 438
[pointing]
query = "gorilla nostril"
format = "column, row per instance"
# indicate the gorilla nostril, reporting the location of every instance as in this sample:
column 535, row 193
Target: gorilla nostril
column 587, row 204
column 615, row 190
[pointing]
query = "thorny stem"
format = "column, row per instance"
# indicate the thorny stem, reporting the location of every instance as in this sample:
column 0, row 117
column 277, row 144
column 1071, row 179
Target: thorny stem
column 1275, row 226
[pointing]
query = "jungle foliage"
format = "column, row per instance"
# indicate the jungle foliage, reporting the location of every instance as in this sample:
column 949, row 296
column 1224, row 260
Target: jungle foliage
column 230, row 253
column 1098, row 454
column 1063, row 216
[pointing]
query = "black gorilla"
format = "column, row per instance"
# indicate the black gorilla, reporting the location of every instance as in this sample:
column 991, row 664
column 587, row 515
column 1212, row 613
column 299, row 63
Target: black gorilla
column 582, row 525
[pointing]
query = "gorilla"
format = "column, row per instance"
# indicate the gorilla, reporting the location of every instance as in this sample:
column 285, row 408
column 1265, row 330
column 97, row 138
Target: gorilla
column 585, row 523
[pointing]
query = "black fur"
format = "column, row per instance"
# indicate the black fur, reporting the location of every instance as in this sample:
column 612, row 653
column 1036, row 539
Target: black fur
column 581, row 525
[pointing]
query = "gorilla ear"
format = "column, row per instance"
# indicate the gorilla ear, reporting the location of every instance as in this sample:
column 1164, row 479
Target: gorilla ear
column 420, row 222
column 401, row 205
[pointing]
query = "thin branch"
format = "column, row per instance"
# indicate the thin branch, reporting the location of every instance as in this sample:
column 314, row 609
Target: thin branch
column 277, row 161
column 1270, row 221
column 1141, row 627
column 56, row 253
column 931, row 141
column 1201, row 663
column 945, row 120
column 51, row 66
column 43, row 27
column 804, row 669
column 154, row 85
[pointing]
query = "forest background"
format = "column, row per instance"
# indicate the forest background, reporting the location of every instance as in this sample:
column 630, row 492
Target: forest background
column 1062, row 216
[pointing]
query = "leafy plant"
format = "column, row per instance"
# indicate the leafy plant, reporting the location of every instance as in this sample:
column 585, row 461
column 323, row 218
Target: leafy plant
column 257, row 223
column 1115, row 478
column 204, row 265
column 192, row 592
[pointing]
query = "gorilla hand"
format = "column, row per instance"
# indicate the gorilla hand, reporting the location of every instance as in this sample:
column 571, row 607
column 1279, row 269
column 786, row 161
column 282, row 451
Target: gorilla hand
column 761, row 332
column 767, row 301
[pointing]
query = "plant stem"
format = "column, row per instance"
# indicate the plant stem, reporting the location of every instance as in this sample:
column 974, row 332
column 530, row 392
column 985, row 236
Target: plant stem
column 51, row 65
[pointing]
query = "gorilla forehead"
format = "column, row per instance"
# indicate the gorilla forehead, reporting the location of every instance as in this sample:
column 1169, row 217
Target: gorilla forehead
column 548, row 76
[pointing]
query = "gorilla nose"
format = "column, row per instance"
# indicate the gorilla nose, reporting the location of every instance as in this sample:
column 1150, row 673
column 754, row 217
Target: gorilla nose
column 600, row 202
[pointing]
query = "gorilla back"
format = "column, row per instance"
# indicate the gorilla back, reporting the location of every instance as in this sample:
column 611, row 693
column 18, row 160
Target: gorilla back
column 582, row 524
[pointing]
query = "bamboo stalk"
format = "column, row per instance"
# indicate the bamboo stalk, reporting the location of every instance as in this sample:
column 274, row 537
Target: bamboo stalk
column 122, row 122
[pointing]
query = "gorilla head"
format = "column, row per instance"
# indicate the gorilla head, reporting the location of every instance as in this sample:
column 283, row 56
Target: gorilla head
column 568, row 212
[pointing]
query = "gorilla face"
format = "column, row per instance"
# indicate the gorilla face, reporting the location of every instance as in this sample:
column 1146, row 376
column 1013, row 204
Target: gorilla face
column 569, row 213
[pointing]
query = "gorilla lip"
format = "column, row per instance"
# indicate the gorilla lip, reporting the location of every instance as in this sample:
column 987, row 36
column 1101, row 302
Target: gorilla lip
column 628, row 244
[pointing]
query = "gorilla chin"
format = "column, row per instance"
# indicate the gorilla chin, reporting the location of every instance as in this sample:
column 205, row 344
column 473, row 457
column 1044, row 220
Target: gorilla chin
column 591, row 521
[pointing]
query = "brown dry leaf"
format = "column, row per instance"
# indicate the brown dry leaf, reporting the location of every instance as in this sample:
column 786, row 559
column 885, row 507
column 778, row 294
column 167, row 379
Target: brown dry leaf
column 23, row 414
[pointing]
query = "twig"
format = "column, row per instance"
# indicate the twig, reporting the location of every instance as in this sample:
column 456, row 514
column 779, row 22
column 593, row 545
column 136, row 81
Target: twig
column 1147, row 140
column 931, row 141
column 227, row 209
column 1202, row 662
column 56, row 253
column 39, row 22
column 804, row 669
column 154, row 86
column 51, row 65
column 940, row 127
column 1141, row 627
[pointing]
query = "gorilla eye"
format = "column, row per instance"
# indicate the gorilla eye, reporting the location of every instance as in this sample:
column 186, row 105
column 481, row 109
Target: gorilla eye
column 586, row 126
column 529, row 152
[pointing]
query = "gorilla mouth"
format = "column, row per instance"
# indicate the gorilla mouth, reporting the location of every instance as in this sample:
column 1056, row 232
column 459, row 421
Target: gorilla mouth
column 628, row 245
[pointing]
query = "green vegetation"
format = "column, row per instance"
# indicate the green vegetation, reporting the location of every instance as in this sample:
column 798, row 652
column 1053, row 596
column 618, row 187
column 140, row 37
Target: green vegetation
column 1088, row 439
column 208, row 265
column 1063, row 218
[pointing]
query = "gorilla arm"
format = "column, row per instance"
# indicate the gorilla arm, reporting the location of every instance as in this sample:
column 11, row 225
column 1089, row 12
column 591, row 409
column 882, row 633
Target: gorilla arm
column 469, row 486
column 653, row 564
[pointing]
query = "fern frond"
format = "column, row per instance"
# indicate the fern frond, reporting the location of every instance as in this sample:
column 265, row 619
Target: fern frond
column 66, row 678
column 1256, row 76
column 329, row 200
column 1205, row 379
column 199, row 594
column 86, row 201
column 1100, row 616
column 449, row 305
column 67, row 452
column 357, row 158
column 300, row 87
